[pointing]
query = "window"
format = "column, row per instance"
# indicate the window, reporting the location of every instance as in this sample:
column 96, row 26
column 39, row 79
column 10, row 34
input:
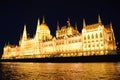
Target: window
column 88, row 37
column 97, row 45
column 96, row 35
column 110, row 38
column 101, row 44
column 84, row 46
column 100, row 35
column 89, row 45
column 85, row 38
column 92, row 36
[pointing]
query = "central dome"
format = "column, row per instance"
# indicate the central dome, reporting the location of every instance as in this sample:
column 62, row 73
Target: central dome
column 44, row 26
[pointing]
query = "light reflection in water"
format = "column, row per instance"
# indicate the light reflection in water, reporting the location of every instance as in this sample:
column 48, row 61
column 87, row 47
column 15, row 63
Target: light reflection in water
column 60, row 71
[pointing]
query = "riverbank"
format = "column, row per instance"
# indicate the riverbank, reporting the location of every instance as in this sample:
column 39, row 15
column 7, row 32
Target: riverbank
column 100, row 58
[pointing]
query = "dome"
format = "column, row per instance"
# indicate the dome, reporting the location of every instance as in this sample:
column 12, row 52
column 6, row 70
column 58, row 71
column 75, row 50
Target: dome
column 44, row 26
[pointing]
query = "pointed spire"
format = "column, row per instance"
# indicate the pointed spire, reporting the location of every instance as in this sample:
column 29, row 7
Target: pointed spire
column 43, row 21
column 99, row 19
column 24, row 31
column 84, row 24
column 111, row 25
column 68, row 22
column 58, row 28
column 38, row 22
column 76, row 26
column 24, row 37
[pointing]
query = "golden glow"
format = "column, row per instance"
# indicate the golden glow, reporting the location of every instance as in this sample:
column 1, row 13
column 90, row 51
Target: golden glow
column 95, row 39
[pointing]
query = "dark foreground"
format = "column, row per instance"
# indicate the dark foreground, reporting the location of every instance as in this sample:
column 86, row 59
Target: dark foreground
column 103, row 58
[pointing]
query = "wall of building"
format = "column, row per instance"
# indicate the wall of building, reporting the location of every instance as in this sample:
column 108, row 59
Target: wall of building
column 95, row 39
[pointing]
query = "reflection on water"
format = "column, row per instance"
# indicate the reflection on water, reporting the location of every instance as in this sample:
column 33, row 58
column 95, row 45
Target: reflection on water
column 59, row 71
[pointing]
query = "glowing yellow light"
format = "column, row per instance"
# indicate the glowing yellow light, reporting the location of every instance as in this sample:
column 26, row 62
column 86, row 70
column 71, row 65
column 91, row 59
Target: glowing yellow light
column 95, row 39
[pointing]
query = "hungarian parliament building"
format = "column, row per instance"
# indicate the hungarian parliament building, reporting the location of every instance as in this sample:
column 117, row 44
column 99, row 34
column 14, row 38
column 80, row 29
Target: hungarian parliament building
column 94, row 39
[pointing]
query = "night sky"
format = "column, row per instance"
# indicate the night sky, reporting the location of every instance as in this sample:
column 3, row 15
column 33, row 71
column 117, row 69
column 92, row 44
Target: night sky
column 15, row 13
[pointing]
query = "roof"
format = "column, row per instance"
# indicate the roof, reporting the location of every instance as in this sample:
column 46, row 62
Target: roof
column 107, row 27
column 65, row 27
column 92, row 26
column 44, row 26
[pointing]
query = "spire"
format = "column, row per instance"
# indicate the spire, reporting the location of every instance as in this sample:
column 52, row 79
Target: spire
column 111, row 25
column 24, row 37
column 43, row 21
column 76, row 26
column 99, row 19
column 113, row 37
column 84, row 24
column 38, row 22
column 68, row 22
column 58, row 28
column 38, row 25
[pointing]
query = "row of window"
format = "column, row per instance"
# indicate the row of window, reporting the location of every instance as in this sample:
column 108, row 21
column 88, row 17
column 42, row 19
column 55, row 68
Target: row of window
column 62, row 42
column 74, row 41
column 93, row 36
column 89, row 41
column 48, row 45
column 97, row 45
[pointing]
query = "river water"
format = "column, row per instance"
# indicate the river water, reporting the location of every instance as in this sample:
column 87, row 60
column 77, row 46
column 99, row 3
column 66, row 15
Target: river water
column 59, row 71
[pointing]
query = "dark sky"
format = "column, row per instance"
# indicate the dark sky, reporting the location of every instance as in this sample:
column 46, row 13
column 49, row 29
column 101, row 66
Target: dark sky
column 15, row 13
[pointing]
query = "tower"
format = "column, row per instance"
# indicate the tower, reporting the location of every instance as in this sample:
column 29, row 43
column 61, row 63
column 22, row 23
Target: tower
column 113, row 37
column 23, row 41
column 43, row 31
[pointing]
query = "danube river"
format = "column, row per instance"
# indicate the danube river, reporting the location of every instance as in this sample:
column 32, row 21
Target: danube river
column 59, row 71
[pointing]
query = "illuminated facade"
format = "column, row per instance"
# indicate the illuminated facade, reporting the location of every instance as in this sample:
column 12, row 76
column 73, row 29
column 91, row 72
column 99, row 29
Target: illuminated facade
column 95, row 39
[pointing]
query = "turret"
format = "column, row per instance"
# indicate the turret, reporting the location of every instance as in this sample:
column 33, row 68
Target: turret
column 38, row 24
column 111, row 25
column 38, row 28
column 114, row 43
column 68, row 22
column 43, row 21
column 58, row 28
column 76, row 26
column 84, row 24
column 99, row 19
column 24, row 37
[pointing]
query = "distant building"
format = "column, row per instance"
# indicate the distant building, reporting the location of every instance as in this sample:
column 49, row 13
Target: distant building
column 95, row 39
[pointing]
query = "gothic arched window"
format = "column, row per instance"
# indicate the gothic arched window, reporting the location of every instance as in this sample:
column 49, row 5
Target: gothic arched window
column 85, row 38
column 96, row 35
column 100, row 34
column 92, row 36
column 88, row 37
